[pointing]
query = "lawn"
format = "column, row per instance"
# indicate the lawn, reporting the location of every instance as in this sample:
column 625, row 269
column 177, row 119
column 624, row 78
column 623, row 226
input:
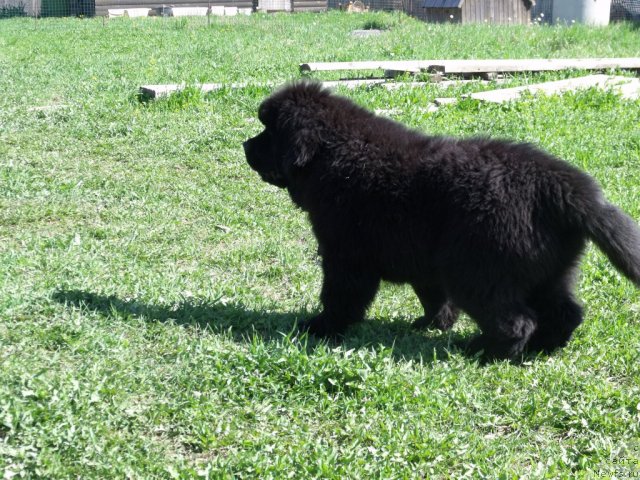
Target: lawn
column 150, row 283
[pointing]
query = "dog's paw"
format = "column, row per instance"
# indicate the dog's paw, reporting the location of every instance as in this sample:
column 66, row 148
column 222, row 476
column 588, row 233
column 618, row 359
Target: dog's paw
column 443, row 321
column 423, row 322
column 489, row 349
column 320, row 326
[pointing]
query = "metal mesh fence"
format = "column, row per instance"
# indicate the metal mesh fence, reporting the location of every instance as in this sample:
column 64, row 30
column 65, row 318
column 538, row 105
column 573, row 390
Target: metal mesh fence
column 625, row 10
column 144, row 8
column 621, row 10
column 47, row 8
column 541, row 11
column 364, row 5
column 14, row 8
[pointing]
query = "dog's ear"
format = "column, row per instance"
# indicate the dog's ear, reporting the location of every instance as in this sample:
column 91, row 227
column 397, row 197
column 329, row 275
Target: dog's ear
column 267, row 113
column 291, row 114
column 304, row 147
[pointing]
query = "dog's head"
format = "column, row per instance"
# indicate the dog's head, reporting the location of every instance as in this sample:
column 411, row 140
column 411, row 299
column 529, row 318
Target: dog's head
column 291, row 136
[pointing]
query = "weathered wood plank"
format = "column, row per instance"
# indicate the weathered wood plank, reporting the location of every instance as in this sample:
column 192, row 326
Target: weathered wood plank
column 157, row 91
column 479, row 66
column 536, row 65
column 629, row 90
column 396, row 85
column 627, row 86
column 405, row 66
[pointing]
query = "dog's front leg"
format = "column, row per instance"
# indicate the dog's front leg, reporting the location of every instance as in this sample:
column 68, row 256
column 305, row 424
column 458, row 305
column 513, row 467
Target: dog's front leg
column 347, row 290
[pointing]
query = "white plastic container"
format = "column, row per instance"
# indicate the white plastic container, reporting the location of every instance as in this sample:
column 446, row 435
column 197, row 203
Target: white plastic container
column 591, row 12
column 188, row 11
column 274, row 5
column 136, row 12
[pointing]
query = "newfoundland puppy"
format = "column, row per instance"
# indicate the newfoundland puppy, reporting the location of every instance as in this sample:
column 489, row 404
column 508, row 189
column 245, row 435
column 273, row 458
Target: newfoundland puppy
column 493, row 228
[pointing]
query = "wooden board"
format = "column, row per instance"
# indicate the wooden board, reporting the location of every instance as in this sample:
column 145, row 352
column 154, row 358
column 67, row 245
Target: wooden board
column 157, row 91
column 381, row 82
column 405, row 66
column 629, row 90
column 629, row 87
column 479, row 66
column 535, row 65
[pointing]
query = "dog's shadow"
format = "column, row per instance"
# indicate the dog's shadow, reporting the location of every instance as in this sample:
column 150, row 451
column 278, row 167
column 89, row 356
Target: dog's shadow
column 244, row 325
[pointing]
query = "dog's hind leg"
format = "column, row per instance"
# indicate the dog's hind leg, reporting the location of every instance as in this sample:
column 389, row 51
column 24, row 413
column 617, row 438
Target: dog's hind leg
column 505, row 331
column 438, row 311
column 347, row 291
column 558, row 313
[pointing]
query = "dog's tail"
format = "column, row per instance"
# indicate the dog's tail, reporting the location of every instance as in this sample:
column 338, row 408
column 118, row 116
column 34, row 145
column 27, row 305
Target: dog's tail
column 616, row 234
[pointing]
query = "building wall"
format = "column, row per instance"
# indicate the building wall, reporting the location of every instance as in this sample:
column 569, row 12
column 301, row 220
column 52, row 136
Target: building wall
column 496, row 11
column 475, row 11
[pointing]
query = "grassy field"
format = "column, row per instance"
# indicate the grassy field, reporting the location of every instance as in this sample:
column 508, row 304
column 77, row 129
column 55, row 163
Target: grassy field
column 150, row 283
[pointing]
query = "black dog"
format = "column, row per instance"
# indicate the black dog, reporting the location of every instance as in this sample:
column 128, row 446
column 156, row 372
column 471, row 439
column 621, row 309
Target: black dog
column 491, row 227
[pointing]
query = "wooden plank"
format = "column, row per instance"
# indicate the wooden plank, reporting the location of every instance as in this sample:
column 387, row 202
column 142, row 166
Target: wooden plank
column 396, row 85
column 405, row 66
column 534, row 65
column 157, row 91
column 628, row 88
column 479, row 66
column 507, row 94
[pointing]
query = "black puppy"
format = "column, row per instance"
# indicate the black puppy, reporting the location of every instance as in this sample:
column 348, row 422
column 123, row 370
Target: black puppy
column 491, row 227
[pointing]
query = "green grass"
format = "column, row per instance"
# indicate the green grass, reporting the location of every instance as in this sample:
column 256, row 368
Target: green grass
column 150, row 282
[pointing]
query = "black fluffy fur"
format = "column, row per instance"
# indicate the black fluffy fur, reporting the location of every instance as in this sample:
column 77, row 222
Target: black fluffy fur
column 490, row 227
